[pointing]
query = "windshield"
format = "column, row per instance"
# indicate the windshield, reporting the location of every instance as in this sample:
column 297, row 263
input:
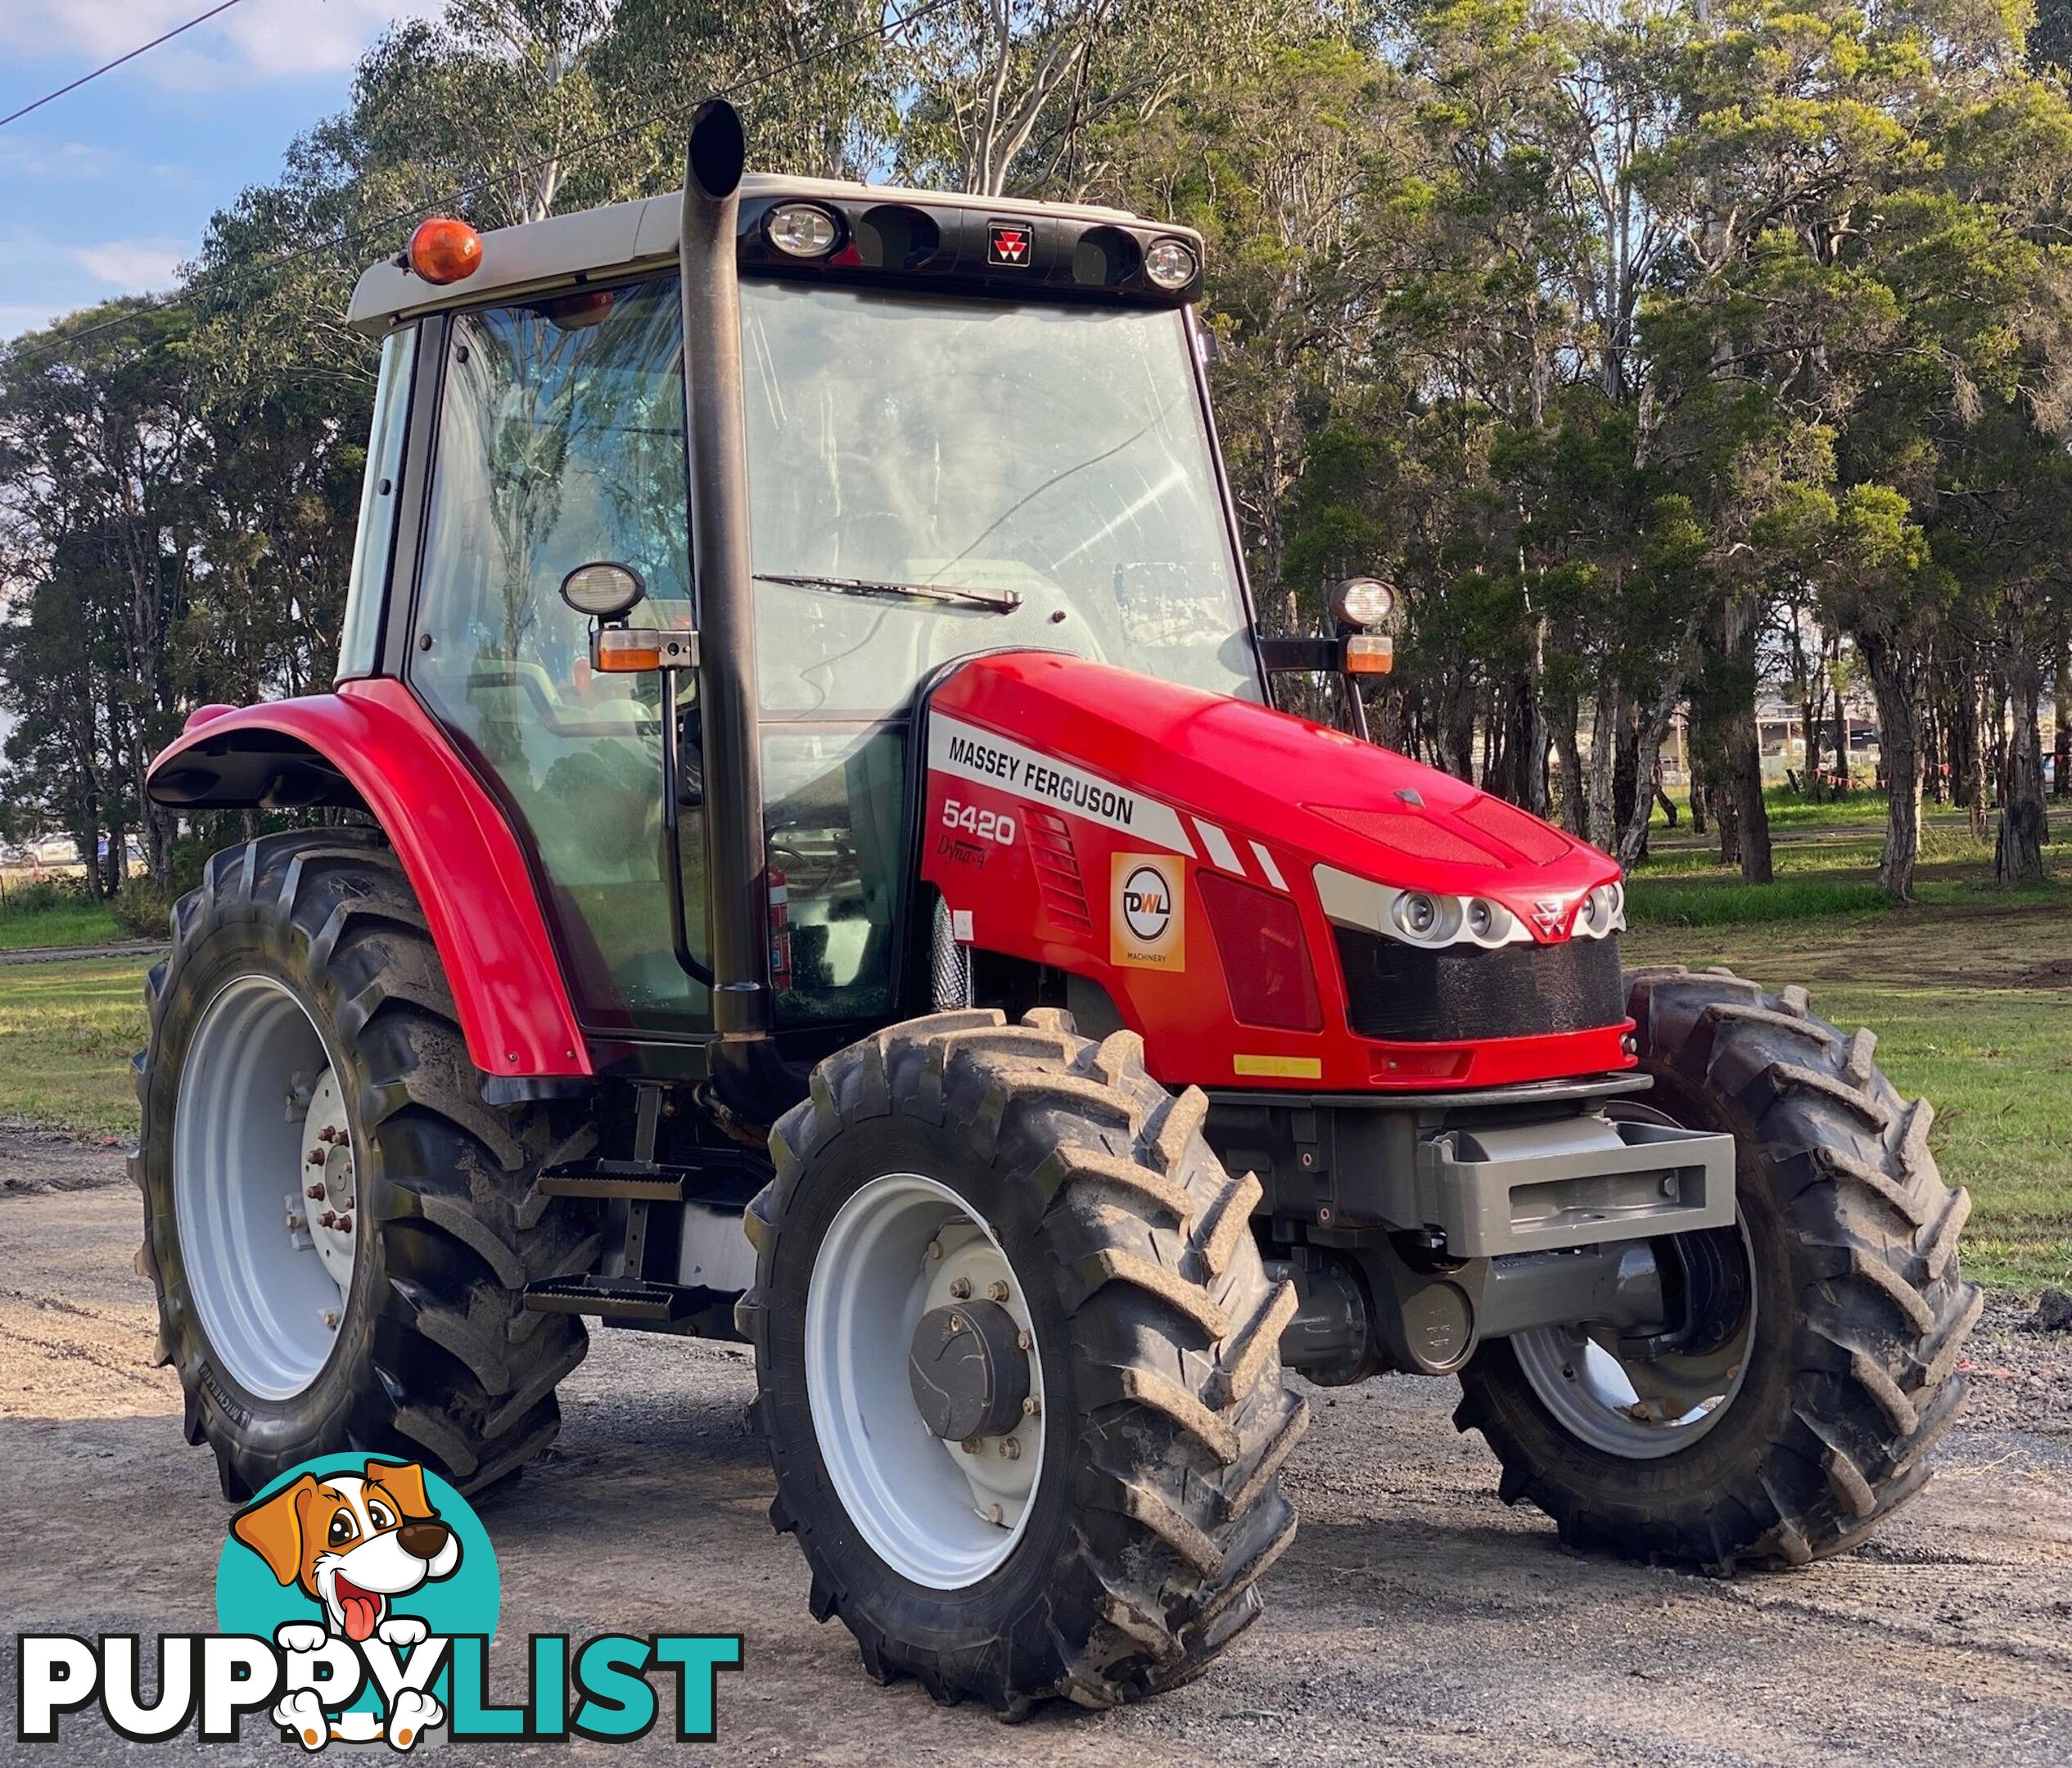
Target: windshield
column 1056, row 454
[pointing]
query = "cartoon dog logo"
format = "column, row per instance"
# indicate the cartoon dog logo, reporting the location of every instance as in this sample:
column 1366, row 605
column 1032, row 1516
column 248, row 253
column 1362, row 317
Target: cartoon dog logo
column 353, row 1543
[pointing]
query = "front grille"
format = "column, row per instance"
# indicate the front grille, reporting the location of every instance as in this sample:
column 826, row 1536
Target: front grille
column 1412, row 994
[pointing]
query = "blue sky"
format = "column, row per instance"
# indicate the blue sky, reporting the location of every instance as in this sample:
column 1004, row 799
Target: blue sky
column 106, row 190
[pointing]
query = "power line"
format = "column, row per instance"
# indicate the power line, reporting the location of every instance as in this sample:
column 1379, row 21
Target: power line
column 357, row 235
column 109, row 67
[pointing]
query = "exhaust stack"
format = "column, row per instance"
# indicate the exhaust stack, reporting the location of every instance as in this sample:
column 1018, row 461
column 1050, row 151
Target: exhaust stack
column 716, row 155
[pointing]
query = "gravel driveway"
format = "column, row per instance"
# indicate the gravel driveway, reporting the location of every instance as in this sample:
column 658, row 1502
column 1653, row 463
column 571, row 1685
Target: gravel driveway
column 1415, row 1620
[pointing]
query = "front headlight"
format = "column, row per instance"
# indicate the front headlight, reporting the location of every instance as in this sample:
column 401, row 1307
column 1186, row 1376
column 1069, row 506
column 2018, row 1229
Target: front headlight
column 1603, row 911
column 1425, row 919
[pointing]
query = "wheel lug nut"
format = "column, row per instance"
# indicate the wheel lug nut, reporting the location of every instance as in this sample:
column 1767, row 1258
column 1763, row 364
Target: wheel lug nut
column 330, row 1317
column 313, row 1191
column 1010, row 1450
column 997, row 1291
column 1024, row 1341
column 1030, row 1406
column 329, row 1218
column 960, row 1288
column 973, row 1446
column 996, row 1514
column 934, row 1249
column 316, row 1157
column 956, row 1323
column 344, row 1225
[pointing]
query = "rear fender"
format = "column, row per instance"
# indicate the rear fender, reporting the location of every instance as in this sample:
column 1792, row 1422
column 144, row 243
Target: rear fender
column 370, row 745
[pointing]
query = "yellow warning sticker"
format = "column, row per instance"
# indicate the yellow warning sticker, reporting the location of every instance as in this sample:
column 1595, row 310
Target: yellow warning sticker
column 1147, row 912
column 1279, row 1068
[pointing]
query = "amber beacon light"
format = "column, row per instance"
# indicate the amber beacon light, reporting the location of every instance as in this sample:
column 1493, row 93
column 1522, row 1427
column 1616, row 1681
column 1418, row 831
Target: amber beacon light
column 443, row 250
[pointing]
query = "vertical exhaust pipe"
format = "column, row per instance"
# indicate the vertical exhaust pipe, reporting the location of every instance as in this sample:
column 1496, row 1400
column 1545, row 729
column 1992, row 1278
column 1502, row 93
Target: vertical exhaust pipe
column 715, row 154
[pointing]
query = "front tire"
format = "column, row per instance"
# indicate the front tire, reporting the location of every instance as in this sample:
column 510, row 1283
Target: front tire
column 1856, row 1313
column 1130, row 1558
column 302, row 989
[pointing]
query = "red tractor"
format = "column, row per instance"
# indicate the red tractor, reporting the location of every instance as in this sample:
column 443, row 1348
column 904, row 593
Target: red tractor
column 812, row 767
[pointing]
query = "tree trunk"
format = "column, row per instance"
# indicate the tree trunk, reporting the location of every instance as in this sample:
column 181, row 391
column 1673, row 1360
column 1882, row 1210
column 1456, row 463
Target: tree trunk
column 1575, row 802
column 1931, row 751
column 1972, row 705
column 1647, row 751
column 2018, row 854
column 1896, row 684
column 1538, row 736
column 1713, row 802
column 1727, row 816
column 1626, row 771
column 1742, row 738
column 1603, row 754
column 1841, row 741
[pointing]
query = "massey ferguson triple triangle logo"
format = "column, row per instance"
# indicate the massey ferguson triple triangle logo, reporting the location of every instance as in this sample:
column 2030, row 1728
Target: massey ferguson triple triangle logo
column 1009, row 243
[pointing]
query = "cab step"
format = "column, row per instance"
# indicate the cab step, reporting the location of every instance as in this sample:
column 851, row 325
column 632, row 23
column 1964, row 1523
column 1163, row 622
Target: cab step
column 652, row 1304
column 636, row 1182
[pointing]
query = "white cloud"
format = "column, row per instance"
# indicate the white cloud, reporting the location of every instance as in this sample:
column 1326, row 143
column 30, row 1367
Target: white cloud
column 54, row 161
column 261, row 40
column 133, row 267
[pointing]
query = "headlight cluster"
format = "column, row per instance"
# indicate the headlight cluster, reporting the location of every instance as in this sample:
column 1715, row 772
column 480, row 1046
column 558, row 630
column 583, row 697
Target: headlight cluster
column 1426, row 918
column 1432, row 918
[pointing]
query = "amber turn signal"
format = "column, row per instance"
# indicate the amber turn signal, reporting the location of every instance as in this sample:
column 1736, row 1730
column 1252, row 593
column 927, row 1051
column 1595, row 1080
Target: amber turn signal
column 444, row 250
column 633, row 650
column 1369, row 654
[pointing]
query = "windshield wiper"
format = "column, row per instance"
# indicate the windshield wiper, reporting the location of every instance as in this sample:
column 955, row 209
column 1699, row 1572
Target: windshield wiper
column 1000, row 601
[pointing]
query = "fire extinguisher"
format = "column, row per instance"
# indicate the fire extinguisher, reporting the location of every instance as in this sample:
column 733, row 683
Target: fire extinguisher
column 780, row 932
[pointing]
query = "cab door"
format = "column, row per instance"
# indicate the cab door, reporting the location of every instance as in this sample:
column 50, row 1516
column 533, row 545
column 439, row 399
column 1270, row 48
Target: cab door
column 561, row 443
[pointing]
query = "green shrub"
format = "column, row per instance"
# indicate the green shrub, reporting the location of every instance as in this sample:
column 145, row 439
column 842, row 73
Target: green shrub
column 143, row 909
column 41, row 895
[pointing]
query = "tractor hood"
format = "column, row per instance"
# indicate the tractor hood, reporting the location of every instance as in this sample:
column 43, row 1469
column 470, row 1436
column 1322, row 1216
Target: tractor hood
column 1266, row 901
column 1210, row 776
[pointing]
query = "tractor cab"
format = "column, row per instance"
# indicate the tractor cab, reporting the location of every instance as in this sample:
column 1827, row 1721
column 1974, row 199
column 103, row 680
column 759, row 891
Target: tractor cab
column 969, row 427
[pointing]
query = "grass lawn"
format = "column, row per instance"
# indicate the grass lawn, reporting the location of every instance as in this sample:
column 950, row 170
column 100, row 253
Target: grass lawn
column 67, row 1031
column 71, row 922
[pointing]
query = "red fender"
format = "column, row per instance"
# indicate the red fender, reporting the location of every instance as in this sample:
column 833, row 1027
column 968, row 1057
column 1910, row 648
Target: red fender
column 456, row 850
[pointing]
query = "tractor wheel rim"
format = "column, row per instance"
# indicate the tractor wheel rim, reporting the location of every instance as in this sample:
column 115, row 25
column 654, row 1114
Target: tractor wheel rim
column 267, row 1274
column 940, row 1514
column 1596, row 1393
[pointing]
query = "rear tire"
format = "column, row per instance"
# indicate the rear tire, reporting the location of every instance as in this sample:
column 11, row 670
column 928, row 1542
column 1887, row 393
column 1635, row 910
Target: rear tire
column 1158, row 1505
column 1860, row 1313
column 433, row 1358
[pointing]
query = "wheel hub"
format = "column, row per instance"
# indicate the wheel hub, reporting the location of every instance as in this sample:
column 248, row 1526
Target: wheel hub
column 968, row 1372
column 328, row 1194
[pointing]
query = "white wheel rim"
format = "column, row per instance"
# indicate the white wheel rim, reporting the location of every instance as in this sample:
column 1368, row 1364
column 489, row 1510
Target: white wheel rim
column 267, row 1274
column 1591, row 1392
column 939, row 1515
